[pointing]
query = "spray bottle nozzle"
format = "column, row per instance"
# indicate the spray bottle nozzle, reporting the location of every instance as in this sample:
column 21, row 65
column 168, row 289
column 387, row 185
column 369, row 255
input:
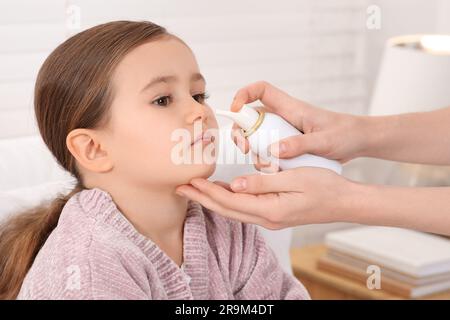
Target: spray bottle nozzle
column 247, row 118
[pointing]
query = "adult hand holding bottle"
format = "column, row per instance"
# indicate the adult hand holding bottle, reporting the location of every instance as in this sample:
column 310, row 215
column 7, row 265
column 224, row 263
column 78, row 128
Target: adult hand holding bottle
column 314, row 195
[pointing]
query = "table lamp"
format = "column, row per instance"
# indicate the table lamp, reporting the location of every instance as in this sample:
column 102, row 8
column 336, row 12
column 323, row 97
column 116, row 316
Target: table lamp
column 414, row 76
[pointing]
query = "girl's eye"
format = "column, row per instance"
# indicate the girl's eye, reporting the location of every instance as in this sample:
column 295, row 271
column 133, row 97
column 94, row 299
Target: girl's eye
column 201, row 97
column 162, row 101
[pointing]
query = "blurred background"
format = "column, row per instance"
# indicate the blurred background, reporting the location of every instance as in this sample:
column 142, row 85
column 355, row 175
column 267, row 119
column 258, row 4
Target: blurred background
column 326, row 52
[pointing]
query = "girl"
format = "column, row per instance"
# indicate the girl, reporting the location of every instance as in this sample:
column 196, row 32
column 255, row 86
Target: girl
column 107, row 102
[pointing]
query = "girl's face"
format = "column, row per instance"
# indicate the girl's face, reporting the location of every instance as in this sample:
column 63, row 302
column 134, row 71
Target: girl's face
column 159, row 109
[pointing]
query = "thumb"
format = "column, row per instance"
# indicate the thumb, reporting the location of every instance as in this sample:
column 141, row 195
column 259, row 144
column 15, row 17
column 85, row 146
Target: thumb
column 314, row 143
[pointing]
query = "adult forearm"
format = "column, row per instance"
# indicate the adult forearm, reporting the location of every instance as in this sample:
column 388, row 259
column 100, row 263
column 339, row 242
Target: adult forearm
column 422, row 137
column 420, row 208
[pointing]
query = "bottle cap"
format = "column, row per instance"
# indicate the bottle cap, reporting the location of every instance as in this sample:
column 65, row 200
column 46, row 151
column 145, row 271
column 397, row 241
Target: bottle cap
column 247, row 118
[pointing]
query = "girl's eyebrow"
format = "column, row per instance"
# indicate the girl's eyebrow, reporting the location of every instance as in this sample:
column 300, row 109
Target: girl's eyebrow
column 172, row 78
column 198, row 77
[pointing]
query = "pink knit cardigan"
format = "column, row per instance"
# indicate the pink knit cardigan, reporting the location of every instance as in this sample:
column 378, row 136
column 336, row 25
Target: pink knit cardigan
column 96, row 253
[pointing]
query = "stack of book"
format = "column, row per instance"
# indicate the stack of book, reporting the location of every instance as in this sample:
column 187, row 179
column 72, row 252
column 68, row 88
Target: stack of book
column 410, row 264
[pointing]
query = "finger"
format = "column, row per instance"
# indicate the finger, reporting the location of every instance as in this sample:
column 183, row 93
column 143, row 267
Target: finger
column 207, row 201
column 272, row 97
column 271, row 169
column 258, row 161
column 284, row 181
column 242, row 202
column 223, row 184
column 239, row 140
column 313, row 143
column 196, row 195
column 263, row 165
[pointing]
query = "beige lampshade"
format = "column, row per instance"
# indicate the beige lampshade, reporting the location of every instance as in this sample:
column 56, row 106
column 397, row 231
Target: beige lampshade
column 414, row 75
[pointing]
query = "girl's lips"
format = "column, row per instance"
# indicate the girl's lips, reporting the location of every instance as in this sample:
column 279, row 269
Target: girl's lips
column 206, row 137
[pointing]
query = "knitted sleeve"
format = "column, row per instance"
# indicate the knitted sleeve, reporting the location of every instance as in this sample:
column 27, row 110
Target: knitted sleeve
column 260, row 276
column 95, row 271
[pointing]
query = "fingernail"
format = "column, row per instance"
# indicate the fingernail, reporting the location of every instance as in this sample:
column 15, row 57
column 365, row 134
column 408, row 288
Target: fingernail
column 180, row 193
column 278, row 149
column 239, row 184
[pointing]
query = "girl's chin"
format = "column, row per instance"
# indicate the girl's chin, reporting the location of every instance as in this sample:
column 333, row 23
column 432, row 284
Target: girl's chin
column 203, row 170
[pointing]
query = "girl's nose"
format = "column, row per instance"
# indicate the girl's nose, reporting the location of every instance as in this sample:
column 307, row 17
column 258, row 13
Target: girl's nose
column 198, row 112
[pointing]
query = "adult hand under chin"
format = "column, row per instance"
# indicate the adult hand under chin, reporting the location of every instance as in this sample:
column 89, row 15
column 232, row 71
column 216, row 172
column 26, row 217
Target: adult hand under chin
column 288, row 198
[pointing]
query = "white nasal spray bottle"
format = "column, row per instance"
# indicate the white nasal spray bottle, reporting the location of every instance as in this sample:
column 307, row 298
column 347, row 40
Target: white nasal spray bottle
column 263, row 128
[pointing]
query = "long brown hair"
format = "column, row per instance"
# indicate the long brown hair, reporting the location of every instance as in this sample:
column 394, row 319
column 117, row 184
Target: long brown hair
column 73, row 90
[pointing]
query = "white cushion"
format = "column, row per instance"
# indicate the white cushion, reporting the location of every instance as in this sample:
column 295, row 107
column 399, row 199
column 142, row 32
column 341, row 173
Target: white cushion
column 25, row 162
column 29, row 175
column 17, row 200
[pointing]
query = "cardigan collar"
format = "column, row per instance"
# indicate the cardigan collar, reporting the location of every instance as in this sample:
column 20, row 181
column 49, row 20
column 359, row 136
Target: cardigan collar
column 99, row 204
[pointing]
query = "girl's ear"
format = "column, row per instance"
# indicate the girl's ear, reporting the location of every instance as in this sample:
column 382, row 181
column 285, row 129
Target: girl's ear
column 87, row 148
